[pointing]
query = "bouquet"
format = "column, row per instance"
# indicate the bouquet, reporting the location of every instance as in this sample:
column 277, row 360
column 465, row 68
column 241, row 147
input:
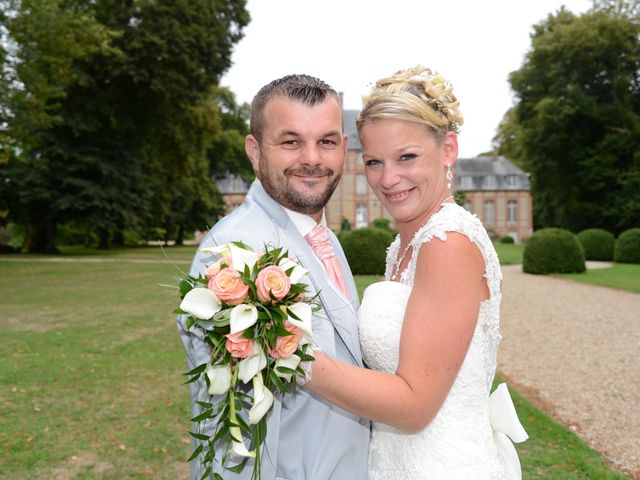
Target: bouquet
column 256, row 317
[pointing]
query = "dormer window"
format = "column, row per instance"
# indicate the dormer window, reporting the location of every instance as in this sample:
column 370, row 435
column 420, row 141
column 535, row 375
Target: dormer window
column 490, row 181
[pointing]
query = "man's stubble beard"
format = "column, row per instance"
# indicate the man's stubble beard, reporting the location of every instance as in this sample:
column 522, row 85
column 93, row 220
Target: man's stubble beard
column 280, row 189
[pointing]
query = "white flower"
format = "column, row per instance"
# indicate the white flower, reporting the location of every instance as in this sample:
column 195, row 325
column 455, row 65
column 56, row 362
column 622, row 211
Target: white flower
column 219, row 250
column 298, row 271
column 291, row 362
column 250, row 366
column 219, row 379
column 262, row 400
column 201, row 303
column 241, row 257
column 238, row 448
column 303, row 312
column 242, row 317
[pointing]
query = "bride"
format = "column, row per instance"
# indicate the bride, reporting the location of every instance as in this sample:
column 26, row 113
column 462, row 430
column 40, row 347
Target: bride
column 429, row 332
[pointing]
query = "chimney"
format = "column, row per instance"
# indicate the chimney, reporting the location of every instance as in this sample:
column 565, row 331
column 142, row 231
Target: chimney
column 496, row 152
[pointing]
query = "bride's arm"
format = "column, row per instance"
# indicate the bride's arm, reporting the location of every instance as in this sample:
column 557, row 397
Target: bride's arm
column 438, row 326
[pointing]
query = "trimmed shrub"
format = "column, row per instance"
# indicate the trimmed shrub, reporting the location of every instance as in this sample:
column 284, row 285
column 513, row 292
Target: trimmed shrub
column 507, row 239
column 627, row 249
column 366, row 250
column 553, row 250
column 597, row 244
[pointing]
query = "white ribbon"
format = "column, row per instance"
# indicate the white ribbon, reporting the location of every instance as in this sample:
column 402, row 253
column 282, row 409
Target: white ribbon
column 506, row 425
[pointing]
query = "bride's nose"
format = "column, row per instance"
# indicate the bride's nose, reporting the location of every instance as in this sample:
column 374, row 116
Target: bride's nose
column 390, row 175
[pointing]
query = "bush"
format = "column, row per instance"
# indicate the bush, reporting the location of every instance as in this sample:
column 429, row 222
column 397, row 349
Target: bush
column 597, row 243
column 507, row 239
column 366, row 250
column 553, row 250
column 627, row 249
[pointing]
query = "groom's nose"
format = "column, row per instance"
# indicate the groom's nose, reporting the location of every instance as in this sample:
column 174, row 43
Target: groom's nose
column 311, row 155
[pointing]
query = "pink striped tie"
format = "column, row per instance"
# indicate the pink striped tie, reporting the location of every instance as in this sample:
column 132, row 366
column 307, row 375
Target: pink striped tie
column 318, row 238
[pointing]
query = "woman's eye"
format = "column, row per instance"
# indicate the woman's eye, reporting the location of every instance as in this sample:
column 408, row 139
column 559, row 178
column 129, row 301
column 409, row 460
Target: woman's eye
column 408, row 156
column 372, row 163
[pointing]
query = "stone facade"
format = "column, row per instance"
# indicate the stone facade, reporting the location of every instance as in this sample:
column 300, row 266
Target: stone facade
column 494, row 189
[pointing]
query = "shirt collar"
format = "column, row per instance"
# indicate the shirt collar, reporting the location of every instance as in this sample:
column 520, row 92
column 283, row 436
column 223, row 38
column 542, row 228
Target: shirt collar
column 303, row 222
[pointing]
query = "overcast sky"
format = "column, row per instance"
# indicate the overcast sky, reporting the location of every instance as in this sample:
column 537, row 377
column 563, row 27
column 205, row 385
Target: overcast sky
column 351, row 43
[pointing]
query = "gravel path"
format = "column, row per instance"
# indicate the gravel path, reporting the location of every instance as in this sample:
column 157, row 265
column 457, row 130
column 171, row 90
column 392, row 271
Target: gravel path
column 574, row 350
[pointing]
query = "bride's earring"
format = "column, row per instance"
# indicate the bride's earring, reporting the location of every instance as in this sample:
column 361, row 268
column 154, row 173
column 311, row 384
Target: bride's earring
column 449, row 176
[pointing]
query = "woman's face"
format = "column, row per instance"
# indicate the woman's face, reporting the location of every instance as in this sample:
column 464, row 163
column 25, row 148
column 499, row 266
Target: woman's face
column 406, row 167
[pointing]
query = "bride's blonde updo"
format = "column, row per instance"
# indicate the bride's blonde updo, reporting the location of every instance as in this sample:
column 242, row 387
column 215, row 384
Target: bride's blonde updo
column 415, row 95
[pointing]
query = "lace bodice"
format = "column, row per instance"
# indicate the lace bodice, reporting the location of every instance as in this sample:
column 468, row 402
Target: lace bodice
column 458, row 443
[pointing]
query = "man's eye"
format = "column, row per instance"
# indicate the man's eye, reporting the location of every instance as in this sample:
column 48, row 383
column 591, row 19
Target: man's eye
column 328, row 143
column 289, row 143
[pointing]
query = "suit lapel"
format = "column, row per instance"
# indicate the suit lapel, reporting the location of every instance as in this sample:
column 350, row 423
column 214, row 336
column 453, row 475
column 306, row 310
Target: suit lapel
column 340, row 310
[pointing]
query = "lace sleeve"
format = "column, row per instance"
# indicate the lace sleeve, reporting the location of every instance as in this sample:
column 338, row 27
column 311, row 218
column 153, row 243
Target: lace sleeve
column 453, row 218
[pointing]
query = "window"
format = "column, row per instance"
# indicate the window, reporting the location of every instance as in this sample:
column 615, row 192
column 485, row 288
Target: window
column 490, row 181
column 512, row 211
column 361, row 184
column 512, row 180
column 362, row 219
column 466, row 182
column 489, row 212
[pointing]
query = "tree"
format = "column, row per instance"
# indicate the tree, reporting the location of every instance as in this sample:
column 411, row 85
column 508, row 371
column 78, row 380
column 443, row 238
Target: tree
column 575, row 125
column 226, row 153
column 127, row 127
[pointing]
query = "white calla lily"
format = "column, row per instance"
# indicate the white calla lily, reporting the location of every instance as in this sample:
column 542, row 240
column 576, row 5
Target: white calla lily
column 242, row 317
column 250, row 366
column 201, row 303
column 298, row 271
column 238, row 448
column 291, row 362
column 304, row 313
column 219, row 379
column 262, row 400
column 220, row 250
column 241, row 257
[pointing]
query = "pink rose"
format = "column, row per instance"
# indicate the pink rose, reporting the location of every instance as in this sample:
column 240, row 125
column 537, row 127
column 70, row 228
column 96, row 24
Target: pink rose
column 238, row 346
column 228, row 286
column 272, row 279
column 286, row 346
column 213, row 270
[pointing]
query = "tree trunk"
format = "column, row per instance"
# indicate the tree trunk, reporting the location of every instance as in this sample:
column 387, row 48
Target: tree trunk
column 118, row 238
column 180, row 236
column 41, row 237
column 103, row 242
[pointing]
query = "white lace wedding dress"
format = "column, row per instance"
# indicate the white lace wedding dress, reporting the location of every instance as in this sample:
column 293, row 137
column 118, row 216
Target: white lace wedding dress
column 459, row 442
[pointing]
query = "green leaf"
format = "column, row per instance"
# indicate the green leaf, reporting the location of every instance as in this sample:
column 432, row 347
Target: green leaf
column 199, row 436
column 278, row 382
column 195, row 453
column 203, row 416
column 287, row 370
column 197, row 370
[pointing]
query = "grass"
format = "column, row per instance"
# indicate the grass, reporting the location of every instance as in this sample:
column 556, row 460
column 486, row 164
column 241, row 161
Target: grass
column 623, row 276
column 509, row 253
column 90, row 376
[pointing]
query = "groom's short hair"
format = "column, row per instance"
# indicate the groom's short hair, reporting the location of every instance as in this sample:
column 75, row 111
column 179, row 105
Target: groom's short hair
column 302, row 88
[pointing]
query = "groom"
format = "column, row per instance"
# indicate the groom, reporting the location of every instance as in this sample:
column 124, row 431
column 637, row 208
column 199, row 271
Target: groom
column 297, row 148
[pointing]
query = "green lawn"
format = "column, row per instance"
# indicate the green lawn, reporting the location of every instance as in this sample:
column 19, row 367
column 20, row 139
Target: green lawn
column 90, row 375
column 623, row 276
column 509, row 253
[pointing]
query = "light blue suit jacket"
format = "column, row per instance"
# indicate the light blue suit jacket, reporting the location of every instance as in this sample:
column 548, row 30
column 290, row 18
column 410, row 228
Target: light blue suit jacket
column 307, row 437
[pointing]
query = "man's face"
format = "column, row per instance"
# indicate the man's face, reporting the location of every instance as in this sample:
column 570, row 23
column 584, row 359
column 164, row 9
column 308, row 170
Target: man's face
column 300, row 157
